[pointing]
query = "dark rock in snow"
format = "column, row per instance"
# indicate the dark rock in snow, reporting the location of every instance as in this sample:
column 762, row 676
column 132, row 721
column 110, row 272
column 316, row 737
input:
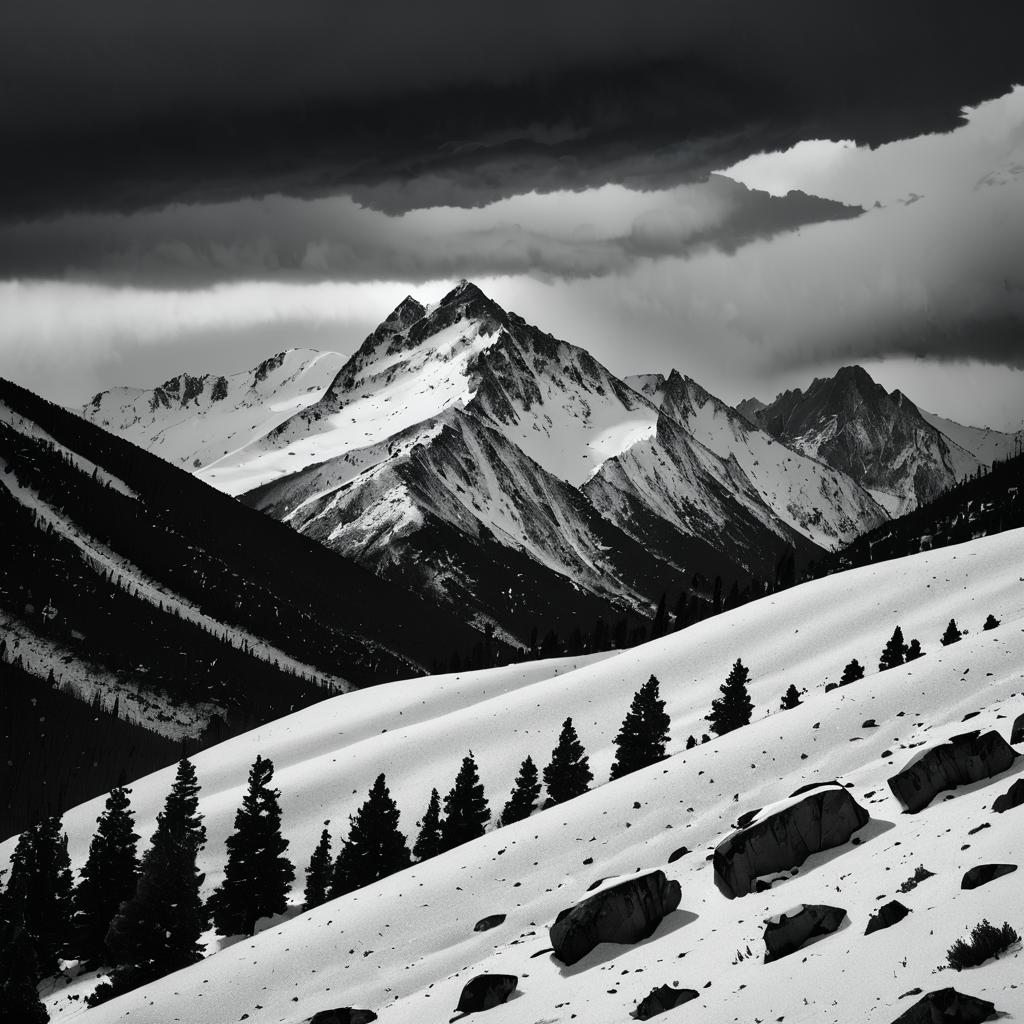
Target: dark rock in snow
column 491, row 921
column 486, row 991
column 661, row 999
column 625, row 913
column 1013, row 797
column 947, row 1006
column 1017, row 732
column 783, row 839
column 343, row 1015
column 969, row 757
column 985, row 873
column 676, row 854
column 791, row 931
column 886, row 916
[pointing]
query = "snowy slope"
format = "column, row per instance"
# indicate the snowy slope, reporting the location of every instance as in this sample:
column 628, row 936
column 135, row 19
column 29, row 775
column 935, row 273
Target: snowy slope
column 193, row 421
column 984, row 443
column 405, row 946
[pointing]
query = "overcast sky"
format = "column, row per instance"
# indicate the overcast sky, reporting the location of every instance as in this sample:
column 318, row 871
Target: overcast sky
column 755, row 199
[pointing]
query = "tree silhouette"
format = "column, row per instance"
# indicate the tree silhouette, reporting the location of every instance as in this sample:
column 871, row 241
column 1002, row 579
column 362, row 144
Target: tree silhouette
column 733, row 709
column 790, row 699
column 894, row 652
column 853, row 671
column 108, row 878
column 952, row 634
column 465, row 807
column 19, row 997
column 523, row 798
column 991, row 622
column 428, row 842
column 913, row 650
column 258, row 875
column 568, row 774
column 375, row 848
column 644, row 733
column 318, row 873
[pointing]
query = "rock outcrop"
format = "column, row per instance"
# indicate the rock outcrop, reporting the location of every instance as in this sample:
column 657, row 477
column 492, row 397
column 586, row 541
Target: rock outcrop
column 486, row 991
column 661, row 999
column 1013, row 797
column 886, row 916
column 1017, row 732
column 786, row 933
column 625, row 913
column 969, row 757
column 985, row 873
column 489, row 922
column 782, row 839
column 343, row 1015
column 947, row 1006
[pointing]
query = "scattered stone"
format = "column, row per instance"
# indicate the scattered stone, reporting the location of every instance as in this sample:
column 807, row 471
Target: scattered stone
column 985, row 873
column 870, row 724
column 661, row 999
column 969, row 757
column 1013, row 797
column 489, row 922
column 676, row 854
column 486, row 991
column 343, row 1015
column 628, row 912
column 886, row 916
column 947, row 1006
column 786, row 933
column 783, row 839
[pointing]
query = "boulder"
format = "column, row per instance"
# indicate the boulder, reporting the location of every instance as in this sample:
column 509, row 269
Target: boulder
column 886, row 916
column 489, row 922
column 486, row 991
column 985, row 873
column 676, row 854
column 782, row 839
column 1013, row 797
column 628, row 912
column 343, row 1015
column 947, row 1006
column 661, row 999
column 969, row 757
column 1017, row 731
column 791, row 931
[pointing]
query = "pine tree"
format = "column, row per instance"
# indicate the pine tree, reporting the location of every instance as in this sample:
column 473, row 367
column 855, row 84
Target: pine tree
column 733, row 709
column 39, row 891
column 659, row 625
column 108, row 879
column 894, row 652
column 853, row 671
column 375, row 848
column 258, row 875
column 157, row 931
column 318, row 874
column 19, row 997
column 644, row 733
column 465, row 807
column 991, row 622
column 428, row 843
column 568, row 774
column 691, row 742
column 523, row 798
column 952, row 634
column 790, row 699
column 913, row 650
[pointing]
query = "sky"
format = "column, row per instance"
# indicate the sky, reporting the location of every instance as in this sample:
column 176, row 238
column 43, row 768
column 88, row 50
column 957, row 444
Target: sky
column 754, row 194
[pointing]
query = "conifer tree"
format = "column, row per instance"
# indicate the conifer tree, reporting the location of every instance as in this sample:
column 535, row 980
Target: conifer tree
column 375, row 848
column 523, row 798
column 108, row 878
column 790, row 699
column 691, row 742
column 659, row 625
column 19, row 997
column 465, row 807
column 428, row 843
column 258, row 875
column 894, row 652
column 568, row 774
column 991, row 622
column 39, row 891
column 318, row 874
column 913, row 650
column 853, row 671
column 733, row 709
column 644, row 733
column 952, row 634
column 157, row 931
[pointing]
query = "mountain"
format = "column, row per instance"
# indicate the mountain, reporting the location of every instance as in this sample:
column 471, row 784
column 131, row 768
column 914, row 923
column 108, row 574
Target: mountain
column 130, row 585
column 748, row 408
column 511, row 476
column 988, row 446
column 879, row 438
column 405, row 946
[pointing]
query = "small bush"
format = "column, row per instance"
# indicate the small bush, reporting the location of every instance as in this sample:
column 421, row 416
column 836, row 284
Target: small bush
column 919, row 875
column 986, row 941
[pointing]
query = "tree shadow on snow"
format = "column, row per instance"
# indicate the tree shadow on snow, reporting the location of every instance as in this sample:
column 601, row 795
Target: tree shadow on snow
column 607, row 951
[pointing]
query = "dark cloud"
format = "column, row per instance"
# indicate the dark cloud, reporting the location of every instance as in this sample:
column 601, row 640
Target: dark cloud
column 124, row 104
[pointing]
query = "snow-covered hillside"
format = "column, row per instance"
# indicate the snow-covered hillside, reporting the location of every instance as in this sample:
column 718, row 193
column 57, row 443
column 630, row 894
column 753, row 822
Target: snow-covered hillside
column 984, row 443
column 405, row 946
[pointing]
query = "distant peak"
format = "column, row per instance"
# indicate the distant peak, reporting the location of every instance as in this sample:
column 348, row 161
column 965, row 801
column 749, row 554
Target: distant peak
column 464, row 291
column 407, row 312
column 854, row 374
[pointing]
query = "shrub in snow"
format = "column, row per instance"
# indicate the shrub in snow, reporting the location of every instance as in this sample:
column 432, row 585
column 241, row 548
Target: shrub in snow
column 986, row 942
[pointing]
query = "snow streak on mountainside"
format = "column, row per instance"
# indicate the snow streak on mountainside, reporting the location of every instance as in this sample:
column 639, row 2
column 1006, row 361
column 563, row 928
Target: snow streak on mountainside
column 879, row 438
column 984, row 443
column 405, row 946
